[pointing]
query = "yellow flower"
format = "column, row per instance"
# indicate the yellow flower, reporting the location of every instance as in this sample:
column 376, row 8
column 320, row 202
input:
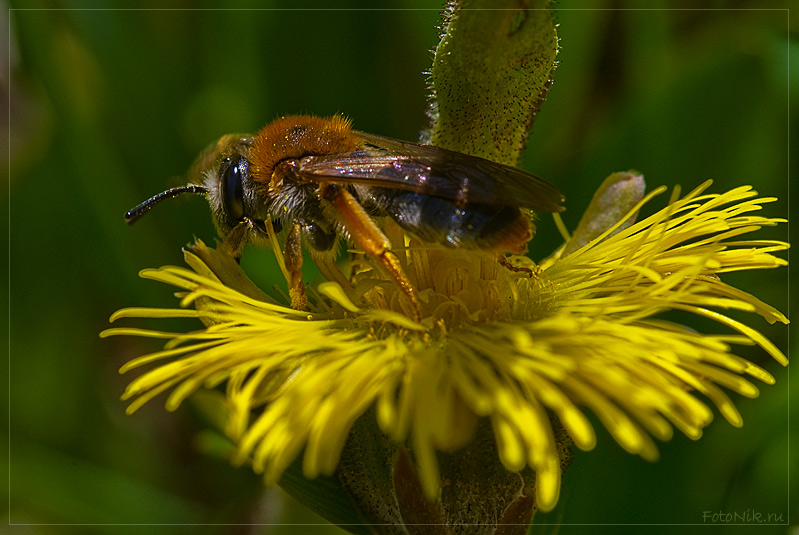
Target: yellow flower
column 580, row 334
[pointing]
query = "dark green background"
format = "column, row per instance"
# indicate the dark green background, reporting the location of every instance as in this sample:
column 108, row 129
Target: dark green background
column 109, row 107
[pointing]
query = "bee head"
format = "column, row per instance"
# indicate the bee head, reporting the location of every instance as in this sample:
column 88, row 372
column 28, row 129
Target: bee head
column 222, row 174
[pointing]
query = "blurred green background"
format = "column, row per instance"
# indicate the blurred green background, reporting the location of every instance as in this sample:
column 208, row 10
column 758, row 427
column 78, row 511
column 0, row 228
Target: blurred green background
column 108, row 107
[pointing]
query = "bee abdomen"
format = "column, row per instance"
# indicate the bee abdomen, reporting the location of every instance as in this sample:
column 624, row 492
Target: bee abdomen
column 499, row 228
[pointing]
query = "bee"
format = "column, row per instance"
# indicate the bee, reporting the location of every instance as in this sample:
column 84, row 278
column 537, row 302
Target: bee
column 321, row 180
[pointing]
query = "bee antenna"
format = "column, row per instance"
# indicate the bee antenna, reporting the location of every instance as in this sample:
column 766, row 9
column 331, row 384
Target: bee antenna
column 135, row 213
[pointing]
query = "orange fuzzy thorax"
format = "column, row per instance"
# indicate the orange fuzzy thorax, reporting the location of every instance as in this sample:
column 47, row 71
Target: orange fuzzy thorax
column 297, row 136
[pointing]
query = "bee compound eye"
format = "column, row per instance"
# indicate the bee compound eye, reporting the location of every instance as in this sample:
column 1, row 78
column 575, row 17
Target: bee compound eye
column 234, row 171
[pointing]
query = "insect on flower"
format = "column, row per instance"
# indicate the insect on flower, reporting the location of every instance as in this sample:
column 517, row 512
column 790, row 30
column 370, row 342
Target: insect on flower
column 321, row 180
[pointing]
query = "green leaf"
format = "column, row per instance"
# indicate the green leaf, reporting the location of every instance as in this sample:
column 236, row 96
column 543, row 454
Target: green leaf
column 617, row 195
column 491, row 72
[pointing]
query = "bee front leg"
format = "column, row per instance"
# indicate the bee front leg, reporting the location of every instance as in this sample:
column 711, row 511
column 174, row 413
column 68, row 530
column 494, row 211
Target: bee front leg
column 233, row 243
column 366, row 235
column 292, row 255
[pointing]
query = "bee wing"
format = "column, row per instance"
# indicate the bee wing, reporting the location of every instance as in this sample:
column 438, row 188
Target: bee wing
column 390, row 163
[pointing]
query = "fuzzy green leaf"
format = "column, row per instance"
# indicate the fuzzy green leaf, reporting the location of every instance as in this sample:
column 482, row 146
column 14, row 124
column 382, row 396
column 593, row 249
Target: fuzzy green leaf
column 492, row 70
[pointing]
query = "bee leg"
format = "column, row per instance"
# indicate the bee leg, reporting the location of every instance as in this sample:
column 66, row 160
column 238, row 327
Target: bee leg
column 365, row 234
column 234, row 242
column 292, row 255
column 503, row 261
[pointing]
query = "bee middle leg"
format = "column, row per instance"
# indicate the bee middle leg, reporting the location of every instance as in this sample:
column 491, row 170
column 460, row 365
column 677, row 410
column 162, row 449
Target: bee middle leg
column 366, row 235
